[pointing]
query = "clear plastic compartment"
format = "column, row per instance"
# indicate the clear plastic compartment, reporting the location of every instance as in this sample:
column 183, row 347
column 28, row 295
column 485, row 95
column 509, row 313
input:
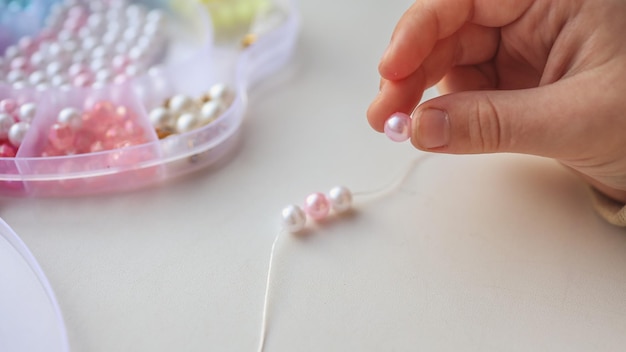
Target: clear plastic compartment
column 191, row 67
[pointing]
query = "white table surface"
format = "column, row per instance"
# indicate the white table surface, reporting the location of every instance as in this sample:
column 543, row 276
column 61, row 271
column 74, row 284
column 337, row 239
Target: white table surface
column 470, row 253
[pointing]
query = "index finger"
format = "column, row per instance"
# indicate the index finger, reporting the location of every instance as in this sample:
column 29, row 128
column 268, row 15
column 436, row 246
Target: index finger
column 428, row 21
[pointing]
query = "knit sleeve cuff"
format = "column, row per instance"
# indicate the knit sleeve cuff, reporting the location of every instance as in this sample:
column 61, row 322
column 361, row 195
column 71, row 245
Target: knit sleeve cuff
column 611, row 210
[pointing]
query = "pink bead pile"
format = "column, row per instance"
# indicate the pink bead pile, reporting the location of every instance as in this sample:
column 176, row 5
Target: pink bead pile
column 87, row 45
column 103, row 127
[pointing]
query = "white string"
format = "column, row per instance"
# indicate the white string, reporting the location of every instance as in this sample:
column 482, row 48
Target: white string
column 382, row 190
column 267, row 295
column 400, row 179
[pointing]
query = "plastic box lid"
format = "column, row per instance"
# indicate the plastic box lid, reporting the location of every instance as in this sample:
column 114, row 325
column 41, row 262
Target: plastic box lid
column 30, row 317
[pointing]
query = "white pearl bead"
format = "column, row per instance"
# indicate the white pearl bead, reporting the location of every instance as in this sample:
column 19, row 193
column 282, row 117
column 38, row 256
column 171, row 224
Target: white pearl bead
column 137, row 54
column 118, row 4
column 58, row 80
column 17, row 132
column 97, row 7
column 180, row 104
column 98, row 85
column 100, row 52
column 115, row 15
column 135, row 12
column 130, row 35
column 186, row 122
column 210, row 111
column 84, row 33
column 161, row 118
column 19, row 85
column 293, row 218
column 11, row 52
column 42, row 87
column 64, row 35
column 70, row 46
column 96, row 21
column 340, row 199
column 54, row 50
column 121, row 48
column 36, row 78
column 155, row 15
column 6, row 121
column 37, row 59
column 146, row 43
column 132, row 70
column 153, row 29
column 97, row 64
column 219, row 91
column 24, row 42
column 76, row 69
column 15, row 76
column 104, row 75
column 156, row 72
column 80, row 56
column 53, row 68
column 27, row 112
column 89, row 43
column 70, row 117
column 110, row 37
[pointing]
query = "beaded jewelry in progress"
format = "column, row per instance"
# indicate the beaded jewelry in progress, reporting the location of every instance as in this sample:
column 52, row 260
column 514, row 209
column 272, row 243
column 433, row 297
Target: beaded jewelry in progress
column 318, row 207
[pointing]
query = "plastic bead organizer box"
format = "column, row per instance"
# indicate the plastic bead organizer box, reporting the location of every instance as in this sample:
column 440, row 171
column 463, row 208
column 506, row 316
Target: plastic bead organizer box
column 113, row 95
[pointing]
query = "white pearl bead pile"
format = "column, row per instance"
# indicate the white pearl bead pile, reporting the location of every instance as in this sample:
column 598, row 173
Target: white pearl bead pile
column 317, row 207
column 182, row 113
column 15, row 120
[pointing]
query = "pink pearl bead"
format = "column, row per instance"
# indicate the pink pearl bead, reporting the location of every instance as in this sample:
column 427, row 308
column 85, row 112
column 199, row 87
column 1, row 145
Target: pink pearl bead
column 45, row 35
column 7, row 150
column 77, row 69
column 83, row 140
column 19, row 63
column 317, row 206
column 120, row 62
column 28, row 45
column 61, row 136
column 8, row 105
column 84, row 79
column 398, row 127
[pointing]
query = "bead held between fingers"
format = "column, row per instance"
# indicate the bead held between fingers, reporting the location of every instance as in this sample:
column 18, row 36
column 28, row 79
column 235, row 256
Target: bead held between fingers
column 398, row 127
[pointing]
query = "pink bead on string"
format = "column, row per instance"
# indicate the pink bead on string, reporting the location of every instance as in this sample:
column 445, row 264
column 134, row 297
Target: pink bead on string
column 317, row 206
column 398, row 127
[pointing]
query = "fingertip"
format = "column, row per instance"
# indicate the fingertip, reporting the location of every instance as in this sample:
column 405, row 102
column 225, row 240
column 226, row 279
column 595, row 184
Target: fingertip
column 375, row 117
column 395, row 96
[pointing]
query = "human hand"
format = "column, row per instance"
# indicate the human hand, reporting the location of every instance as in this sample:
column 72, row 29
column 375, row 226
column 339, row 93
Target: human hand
column 542, row 77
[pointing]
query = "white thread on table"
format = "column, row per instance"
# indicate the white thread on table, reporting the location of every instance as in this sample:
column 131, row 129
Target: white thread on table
column 384, row 190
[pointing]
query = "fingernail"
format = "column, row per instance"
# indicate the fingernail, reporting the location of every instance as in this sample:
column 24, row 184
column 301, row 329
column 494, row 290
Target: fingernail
column 433, row 129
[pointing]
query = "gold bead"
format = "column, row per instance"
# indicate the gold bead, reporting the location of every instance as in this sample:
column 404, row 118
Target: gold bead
column 164, row 132
column 166, row 103
column 248, row 40
column 205, row 98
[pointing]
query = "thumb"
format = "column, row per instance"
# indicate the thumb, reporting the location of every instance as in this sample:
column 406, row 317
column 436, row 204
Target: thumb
column 546, row 121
